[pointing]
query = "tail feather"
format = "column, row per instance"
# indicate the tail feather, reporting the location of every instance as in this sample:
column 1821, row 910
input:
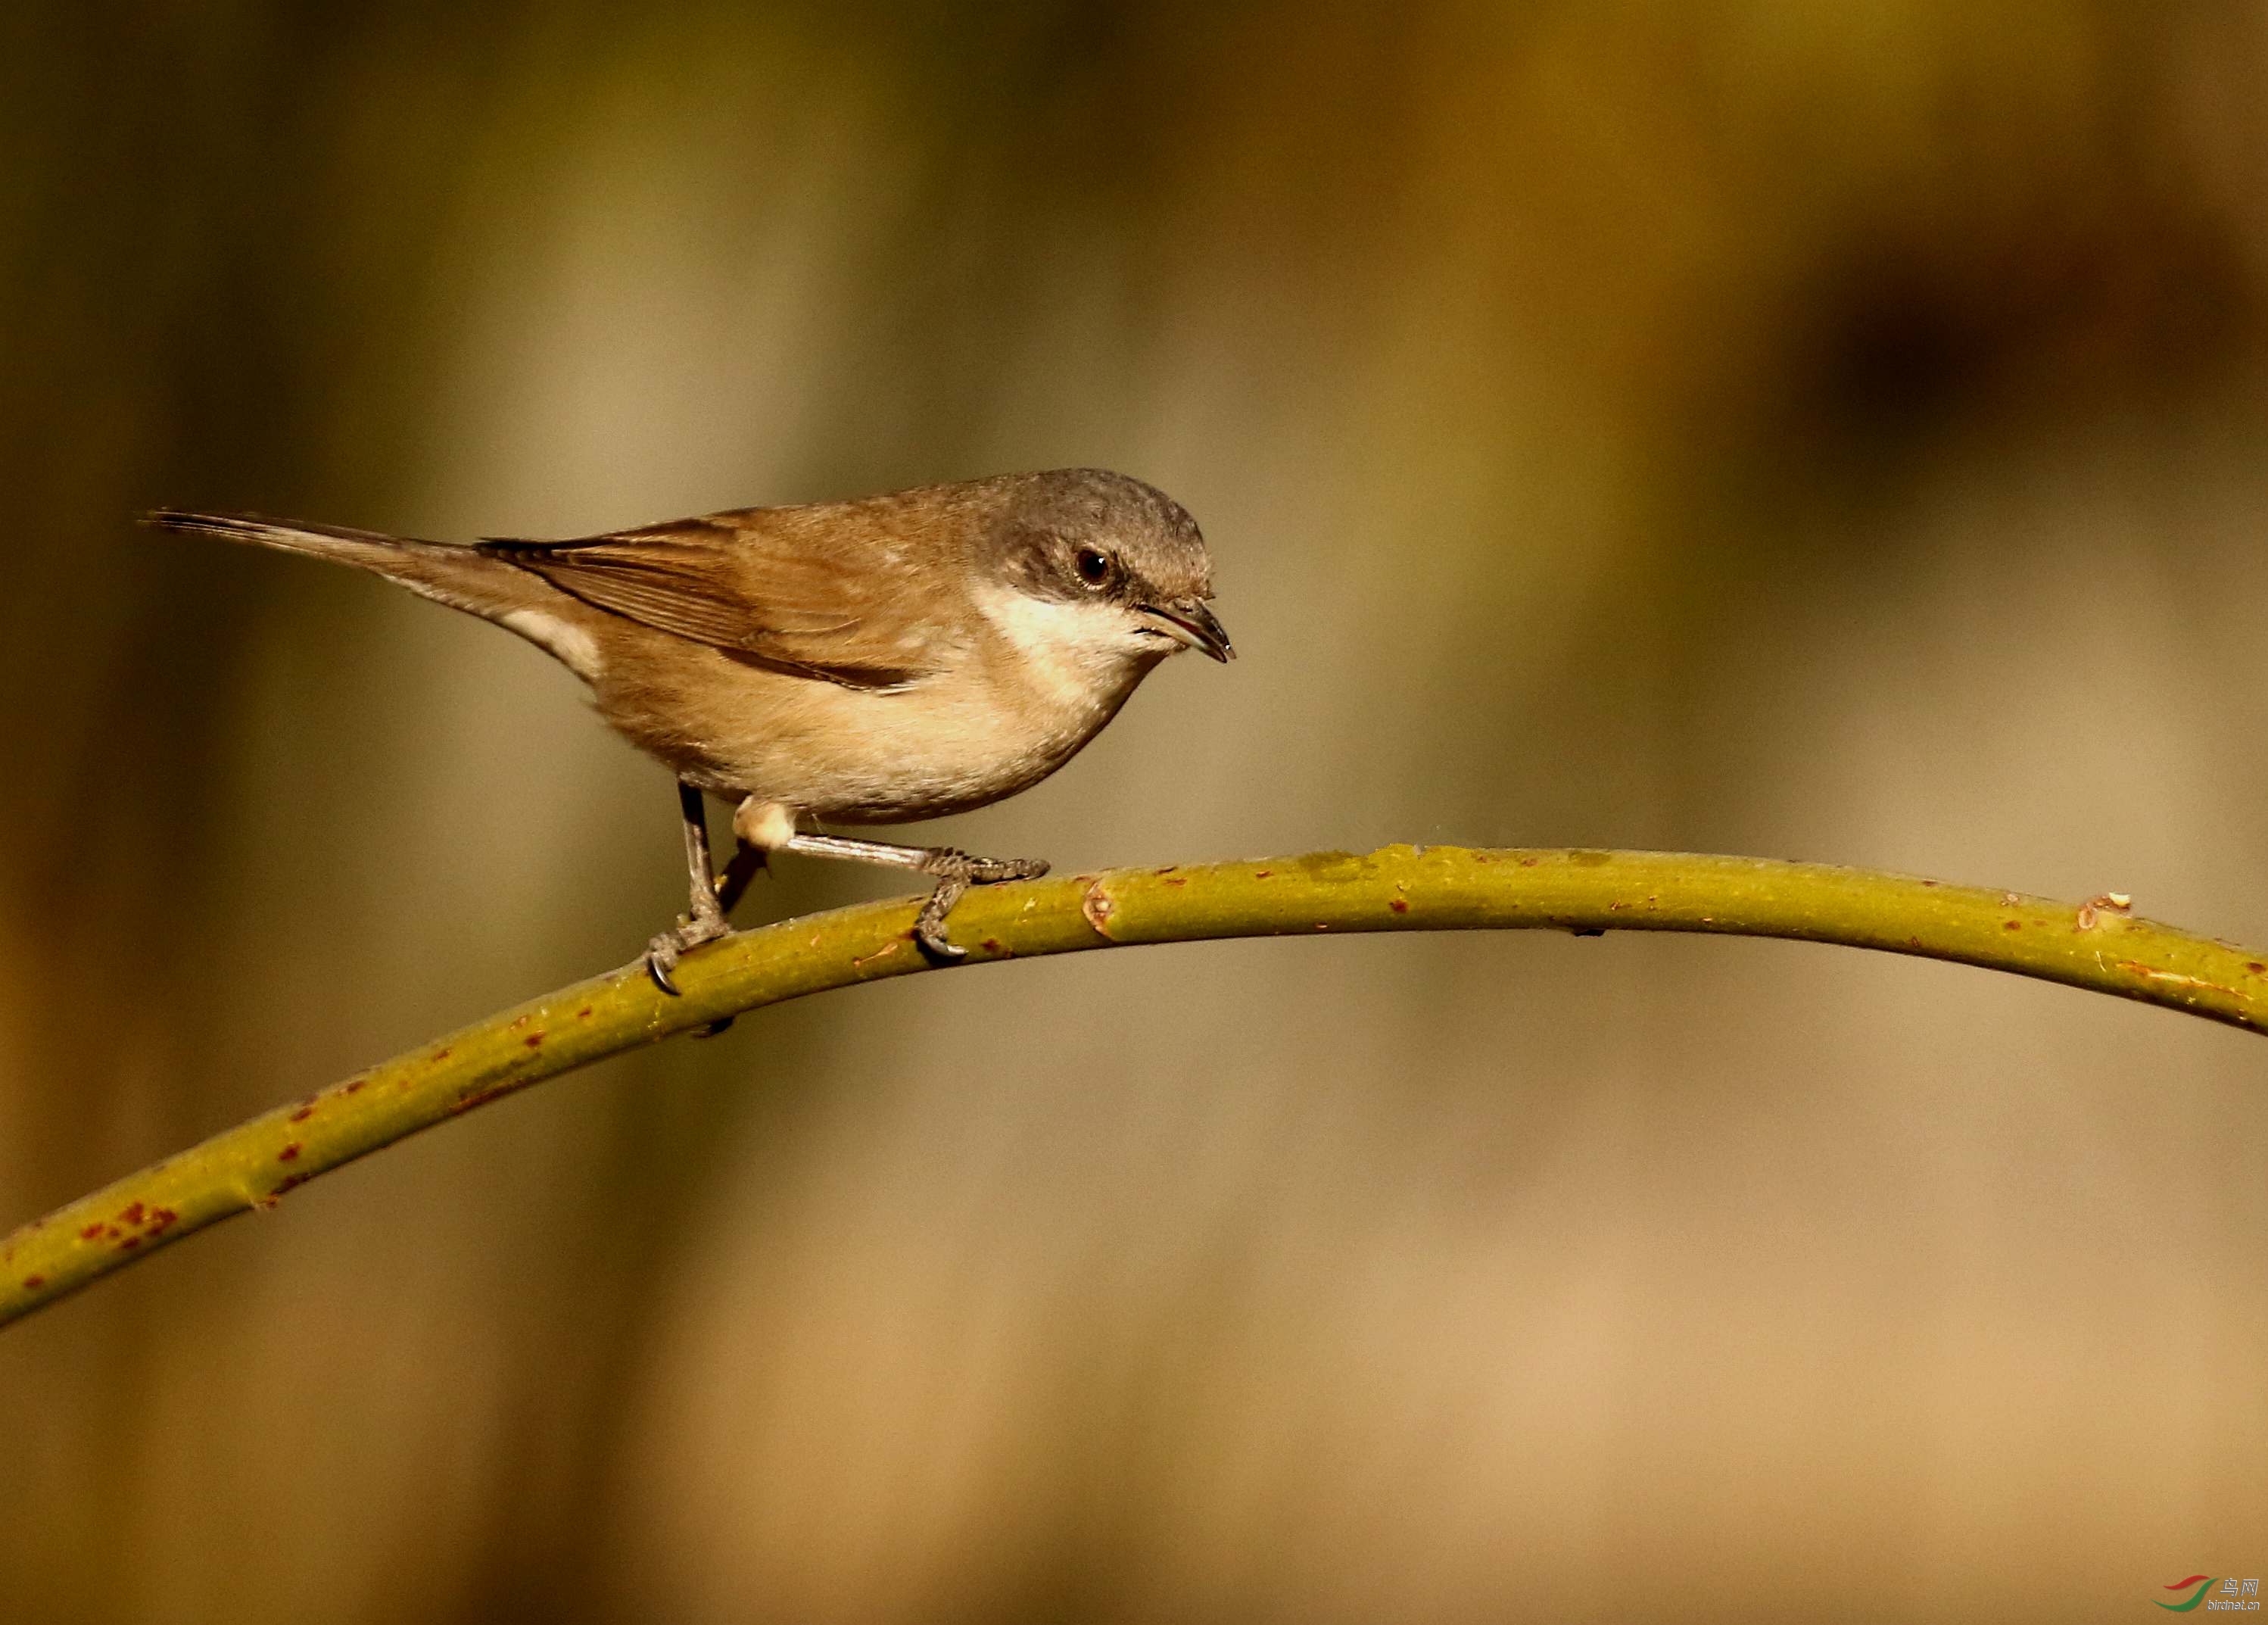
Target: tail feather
column 461, row 577
column 361, row 547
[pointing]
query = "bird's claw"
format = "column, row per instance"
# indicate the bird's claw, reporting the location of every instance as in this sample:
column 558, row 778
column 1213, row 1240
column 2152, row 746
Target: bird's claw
column 668, row 946
column 956, row 871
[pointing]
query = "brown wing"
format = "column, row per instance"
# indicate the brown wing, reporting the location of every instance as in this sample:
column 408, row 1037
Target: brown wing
column 799, row 590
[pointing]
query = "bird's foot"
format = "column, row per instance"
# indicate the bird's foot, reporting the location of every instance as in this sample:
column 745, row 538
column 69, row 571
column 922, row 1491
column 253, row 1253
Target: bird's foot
column 956, row 871
column 668, row 946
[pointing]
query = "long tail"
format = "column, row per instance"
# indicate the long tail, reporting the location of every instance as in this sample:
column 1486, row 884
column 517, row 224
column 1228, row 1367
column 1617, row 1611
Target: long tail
column 460, row 577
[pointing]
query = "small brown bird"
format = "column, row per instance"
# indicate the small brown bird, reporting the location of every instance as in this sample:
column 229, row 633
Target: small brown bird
column 876, row 661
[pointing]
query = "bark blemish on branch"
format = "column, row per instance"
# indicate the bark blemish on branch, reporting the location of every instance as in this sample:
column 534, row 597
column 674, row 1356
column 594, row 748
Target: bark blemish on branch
column 1094, row 905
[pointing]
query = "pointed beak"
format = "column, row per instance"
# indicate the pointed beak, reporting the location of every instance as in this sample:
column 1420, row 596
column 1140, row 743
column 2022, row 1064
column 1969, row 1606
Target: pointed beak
column 1191, row 622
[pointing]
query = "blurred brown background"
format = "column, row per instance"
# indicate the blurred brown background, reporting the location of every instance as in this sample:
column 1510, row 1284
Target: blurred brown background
column 1782, row 427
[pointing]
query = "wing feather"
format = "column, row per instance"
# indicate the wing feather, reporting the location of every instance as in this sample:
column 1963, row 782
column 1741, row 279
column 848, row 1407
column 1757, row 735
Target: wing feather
column 829, row 595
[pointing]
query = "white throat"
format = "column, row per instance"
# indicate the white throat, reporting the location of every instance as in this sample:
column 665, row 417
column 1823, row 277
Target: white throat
column 1078, row 654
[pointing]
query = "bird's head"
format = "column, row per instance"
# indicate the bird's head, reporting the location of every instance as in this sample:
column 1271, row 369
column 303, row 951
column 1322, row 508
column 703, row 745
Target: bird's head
column 1103, row 566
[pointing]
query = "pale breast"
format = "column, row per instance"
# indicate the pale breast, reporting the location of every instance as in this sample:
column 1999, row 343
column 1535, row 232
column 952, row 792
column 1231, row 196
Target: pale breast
column 944, row 744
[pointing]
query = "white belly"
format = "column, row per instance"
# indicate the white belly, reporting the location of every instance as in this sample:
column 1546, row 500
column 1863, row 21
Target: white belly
column 950, row 743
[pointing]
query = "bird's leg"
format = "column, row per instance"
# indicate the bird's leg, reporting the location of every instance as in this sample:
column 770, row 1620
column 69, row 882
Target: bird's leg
column 747, row 862
column 955, row 871
column 704, row 918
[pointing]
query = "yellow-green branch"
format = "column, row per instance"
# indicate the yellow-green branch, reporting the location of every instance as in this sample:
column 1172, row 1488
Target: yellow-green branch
column 2096, row 945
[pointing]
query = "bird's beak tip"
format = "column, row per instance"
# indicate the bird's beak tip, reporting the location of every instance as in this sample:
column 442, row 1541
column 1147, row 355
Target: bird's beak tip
column 1193, row 625
column 1216, row 643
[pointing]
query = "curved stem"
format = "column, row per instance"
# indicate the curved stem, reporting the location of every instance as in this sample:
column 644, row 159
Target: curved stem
column 2096, row 946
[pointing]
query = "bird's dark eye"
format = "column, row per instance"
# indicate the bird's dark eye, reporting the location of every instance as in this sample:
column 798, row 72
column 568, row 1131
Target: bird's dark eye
column 1094, row 565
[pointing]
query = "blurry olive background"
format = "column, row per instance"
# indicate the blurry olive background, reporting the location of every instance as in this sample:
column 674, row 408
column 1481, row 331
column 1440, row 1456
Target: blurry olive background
column 1782, row 427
